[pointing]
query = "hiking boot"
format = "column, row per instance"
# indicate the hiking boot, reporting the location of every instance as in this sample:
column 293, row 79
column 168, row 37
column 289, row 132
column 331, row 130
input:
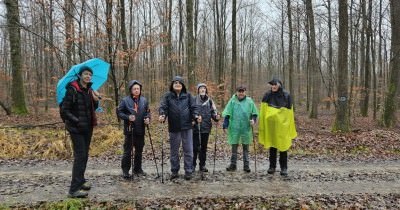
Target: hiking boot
column 139, row 172
column 203, row 169
column 126, row 175
column 231, row 167
column 284, row 172
column 246, row 169
column 174, row 176
column 271, row 171
column 188, row 176
column 86, row 186
column 78, row 194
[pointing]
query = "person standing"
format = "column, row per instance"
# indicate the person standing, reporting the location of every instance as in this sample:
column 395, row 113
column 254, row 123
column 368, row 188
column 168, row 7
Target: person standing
column 276, row 126
column 240, row 115
column 78, row 108
column 179, row 107
column 208, row 111
column 134, row 110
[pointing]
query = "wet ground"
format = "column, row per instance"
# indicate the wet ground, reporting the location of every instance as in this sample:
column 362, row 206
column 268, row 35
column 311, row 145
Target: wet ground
column 24, row 182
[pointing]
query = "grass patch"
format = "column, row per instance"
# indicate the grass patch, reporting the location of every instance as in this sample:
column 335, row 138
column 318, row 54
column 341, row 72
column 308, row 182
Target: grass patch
column 69, row 204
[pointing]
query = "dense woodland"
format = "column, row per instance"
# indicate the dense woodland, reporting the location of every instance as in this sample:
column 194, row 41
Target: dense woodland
column 332, row 55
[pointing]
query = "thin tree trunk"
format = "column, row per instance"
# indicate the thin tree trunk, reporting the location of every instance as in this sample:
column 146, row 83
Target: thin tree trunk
column 234, row 50
column 290, row 56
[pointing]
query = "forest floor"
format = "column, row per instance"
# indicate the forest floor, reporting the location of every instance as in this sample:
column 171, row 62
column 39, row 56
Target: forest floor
column 358, row 170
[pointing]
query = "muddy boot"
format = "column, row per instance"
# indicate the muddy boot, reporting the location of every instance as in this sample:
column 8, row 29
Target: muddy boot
column 78, row 194
column 246, row 169
column 126, row 175
column 86, row 186
column 231, row 167
column 284, row 172
column 174, row 175
column 188, row 176
column 139, row 172
column 271, row 170
column 203, row 169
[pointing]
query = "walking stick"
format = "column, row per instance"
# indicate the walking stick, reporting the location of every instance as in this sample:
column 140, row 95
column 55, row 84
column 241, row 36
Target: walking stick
column 199, row 149
column 162, row 154
column 152, row 149
column 255, row 151
column 131, row 129
column 215, row 144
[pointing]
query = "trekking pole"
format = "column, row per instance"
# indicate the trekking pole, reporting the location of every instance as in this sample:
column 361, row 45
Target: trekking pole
column 162, row 154
column 199, row 149
column 152, row 149
column 215, row 144
column 132, row 164
column 255, row 150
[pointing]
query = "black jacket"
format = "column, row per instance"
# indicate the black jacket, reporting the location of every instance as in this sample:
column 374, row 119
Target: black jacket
column 79, row 108
column 208, row 111
column 125, row 109
column 278, row 99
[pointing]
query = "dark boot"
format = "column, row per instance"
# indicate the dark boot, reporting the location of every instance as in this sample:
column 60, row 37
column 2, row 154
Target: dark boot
column 78, row 194
column 246, row 168
column 126, row 175
column 174, row 175
column 271, row 171
column 203, row 169
column 283, row 163
column 188, row 176
column 231, row 167
column 86, row 186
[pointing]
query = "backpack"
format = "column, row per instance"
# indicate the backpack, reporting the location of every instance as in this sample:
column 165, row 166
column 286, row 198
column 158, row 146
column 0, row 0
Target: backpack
column 62, row 116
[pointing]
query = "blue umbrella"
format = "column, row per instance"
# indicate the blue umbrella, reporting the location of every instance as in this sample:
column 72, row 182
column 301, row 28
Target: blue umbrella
column 100, row 73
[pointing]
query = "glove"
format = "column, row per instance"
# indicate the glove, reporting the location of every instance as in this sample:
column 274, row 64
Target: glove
column 226, row 122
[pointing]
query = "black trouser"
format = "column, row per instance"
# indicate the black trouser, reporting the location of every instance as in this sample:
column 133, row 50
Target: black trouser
column 246, row 162
column 80, row 144
column 283, row 160
column 138, row 142
column 203, row 148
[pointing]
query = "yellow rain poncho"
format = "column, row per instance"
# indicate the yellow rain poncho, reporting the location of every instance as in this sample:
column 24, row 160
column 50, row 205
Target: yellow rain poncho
column 276, row 127
column 240, row 112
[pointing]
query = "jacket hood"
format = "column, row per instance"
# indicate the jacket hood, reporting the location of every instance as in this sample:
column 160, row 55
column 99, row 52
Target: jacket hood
column 202, row 85
column 133, row 82
column 179, row 79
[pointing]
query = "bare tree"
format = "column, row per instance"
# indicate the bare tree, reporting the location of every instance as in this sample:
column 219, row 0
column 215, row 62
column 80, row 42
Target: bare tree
column 388, row 118
column 290, row 56
column 342, row 121
column 234, row 48
column 17, row 93
column 313, row 63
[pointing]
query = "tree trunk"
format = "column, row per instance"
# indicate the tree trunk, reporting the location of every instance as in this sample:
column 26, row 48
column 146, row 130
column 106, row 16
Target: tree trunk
column 290, row 56
column 17, row 92
column 389, row 117
column 342, row 121
column 69, row 32
column 367, row 75
column 234, row 50
column 314, row 65
column 190, row 51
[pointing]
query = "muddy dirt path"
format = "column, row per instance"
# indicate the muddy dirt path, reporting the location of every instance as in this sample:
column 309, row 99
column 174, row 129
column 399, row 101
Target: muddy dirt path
column 26, row 182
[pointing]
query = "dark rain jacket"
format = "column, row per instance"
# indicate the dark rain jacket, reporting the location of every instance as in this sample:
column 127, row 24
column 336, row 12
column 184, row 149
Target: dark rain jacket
column 208, row 111
column 180, row 110
column 126, row 108
column 79, row 108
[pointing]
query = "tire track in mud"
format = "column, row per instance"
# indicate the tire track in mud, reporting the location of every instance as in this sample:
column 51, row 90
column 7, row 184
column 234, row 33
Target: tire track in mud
column 32, row 183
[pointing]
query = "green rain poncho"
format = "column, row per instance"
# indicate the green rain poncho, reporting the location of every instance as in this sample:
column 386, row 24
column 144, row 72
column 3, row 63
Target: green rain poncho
column 276, row 127
column 240, row 112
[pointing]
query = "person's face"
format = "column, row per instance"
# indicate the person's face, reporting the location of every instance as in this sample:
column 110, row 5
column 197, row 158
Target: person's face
column 177, row 86
column 241, row 94
column 202, row 91
column 274, row 87
column 135, row 90
column 86, row 76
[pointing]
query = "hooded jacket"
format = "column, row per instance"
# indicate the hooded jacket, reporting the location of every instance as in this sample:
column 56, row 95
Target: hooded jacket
column 127, row 107
column 179, row 109
column 207, row 110
column 79, row 108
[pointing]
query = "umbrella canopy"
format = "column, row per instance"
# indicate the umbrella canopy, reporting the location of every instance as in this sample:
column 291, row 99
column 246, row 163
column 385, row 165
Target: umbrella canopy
column 100, row 73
